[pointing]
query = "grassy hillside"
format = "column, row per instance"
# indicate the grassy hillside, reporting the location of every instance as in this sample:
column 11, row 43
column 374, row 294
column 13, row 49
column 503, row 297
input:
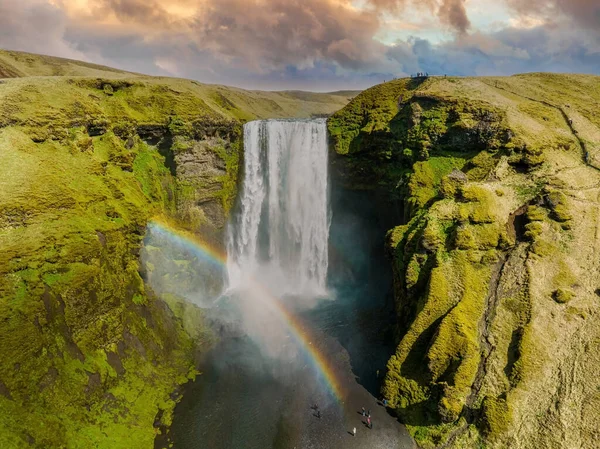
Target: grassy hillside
column 90, row 354
column 496, row 259
column 16, row 64
column 228, row 101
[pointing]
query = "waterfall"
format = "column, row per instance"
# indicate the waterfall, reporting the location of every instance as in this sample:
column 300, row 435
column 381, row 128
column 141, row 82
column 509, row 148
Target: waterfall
column 279, row 234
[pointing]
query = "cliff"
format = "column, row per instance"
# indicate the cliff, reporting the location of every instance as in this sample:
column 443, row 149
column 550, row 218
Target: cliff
column 90, row 355
column 496, row 184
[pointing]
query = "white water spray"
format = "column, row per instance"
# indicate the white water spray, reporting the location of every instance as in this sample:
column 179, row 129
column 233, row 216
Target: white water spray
column 280, row 233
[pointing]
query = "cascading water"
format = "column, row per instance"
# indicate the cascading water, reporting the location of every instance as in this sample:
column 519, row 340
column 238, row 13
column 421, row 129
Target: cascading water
column 280, row 234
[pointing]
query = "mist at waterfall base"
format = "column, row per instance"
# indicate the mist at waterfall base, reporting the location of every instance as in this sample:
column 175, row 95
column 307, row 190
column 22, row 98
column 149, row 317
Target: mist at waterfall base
column 277, row 253
column 285, row 251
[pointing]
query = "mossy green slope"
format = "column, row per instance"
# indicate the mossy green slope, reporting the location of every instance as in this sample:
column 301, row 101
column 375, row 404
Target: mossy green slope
column 495, row 267
column 90, row 355
column 16, row 64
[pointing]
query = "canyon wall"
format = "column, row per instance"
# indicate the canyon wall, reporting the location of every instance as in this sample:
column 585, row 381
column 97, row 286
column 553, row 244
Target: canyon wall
column 495, row 183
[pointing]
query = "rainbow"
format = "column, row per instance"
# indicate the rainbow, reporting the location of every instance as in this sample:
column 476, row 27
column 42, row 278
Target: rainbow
column 298, row 331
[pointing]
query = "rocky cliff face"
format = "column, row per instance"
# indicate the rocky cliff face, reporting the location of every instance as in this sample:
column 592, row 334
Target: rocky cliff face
column 90, row 355
column 495, row 256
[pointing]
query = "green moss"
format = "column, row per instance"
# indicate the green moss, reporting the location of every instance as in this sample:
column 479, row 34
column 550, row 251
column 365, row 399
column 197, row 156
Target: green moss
column 413, row 270
column 178, row 126
column 424, row 184
column 449, row 188
column 369, row 113
column 231, row 156
column 434, row 235
column 533, row 230
column 150, row 171
column 400, row 391
column 558, row 204
column 451, row 404
column 536, row 213
column 456, row 344
column 474, row 193
column 533, row 156
column 396, row 235
column 481, row 166
column 561, row 213
column 563, row 295
column 477, row 213
column 544, row 248
column 449, row 314
column 481, row 236
column 434, row 435
column 564, row 276
column 108, row 89
column 496, row 416
column 191, row 316
column 126, row 405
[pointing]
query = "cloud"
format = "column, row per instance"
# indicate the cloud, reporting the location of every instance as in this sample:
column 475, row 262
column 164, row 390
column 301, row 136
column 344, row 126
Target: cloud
column 277, row 33
column 261, row 35
column 453, row 13
column 505, row 52
column 266, row 34
column 35, row 26
column 583, row 12
column 450, row 12
column 307, row 44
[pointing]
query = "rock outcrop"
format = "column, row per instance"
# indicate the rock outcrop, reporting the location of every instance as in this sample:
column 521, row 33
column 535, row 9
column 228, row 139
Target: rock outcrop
column 496, row 256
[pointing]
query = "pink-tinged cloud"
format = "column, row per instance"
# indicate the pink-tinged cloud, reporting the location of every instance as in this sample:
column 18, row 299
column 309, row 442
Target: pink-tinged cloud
column 309, row 44
column 454, row 13
column 583, row 12
column 276, row 33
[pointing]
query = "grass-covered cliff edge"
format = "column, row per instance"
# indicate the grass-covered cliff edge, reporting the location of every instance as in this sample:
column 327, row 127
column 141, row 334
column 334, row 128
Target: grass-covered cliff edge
column 496, row 257
column 89, row 355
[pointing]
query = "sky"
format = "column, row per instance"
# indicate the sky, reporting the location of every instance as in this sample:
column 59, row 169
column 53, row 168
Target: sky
column 319, row 45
